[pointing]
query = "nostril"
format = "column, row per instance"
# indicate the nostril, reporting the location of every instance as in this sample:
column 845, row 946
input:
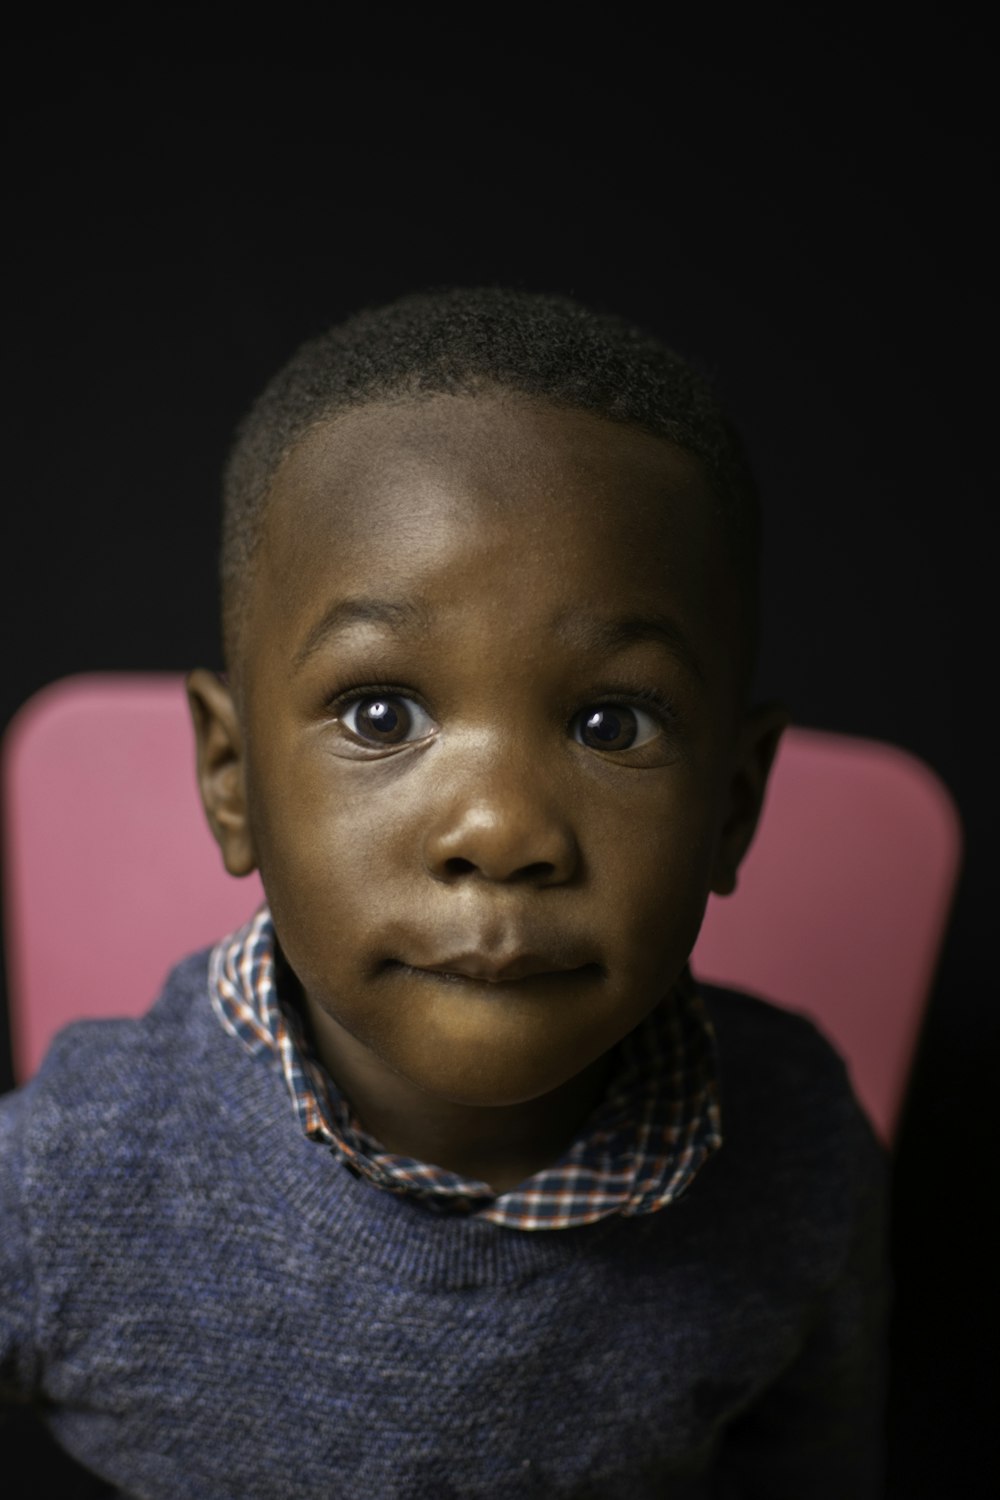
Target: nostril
column 457, row 867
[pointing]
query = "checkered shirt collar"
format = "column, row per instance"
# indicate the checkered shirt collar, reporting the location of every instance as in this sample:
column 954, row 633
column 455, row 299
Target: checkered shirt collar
column 657, row 1125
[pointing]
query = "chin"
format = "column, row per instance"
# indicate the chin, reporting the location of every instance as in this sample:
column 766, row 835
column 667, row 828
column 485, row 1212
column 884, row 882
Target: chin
column 474, row 1088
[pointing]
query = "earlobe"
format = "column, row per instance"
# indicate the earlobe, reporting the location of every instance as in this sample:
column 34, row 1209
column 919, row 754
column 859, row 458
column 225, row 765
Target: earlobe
column 221, row 769
column 759, row 737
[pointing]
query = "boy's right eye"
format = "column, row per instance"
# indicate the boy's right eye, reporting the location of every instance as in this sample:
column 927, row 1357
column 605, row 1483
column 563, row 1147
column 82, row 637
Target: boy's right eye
column 386, row 719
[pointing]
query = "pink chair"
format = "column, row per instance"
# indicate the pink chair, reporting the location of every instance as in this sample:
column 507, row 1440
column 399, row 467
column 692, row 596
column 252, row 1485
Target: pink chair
column 112, row 875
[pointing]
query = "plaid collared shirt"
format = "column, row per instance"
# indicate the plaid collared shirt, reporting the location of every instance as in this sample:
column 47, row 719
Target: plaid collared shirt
column 657, row 1124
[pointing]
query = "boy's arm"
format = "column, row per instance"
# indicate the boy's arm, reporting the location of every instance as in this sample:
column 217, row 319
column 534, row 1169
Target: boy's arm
column 818, row 1432
column 17, row 1285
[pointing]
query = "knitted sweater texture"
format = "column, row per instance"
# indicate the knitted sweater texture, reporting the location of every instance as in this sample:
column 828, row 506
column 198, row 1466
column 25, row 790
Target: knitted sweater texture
column 208, row 1304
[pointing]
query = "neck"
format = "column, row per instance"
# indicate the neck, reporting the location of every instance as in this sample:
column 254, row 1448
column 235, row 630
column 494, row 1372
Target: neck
column 501, row 1144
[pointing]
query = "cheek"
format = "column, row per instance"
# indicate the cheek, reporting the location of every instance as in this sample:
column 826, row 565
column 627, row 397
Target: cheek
column 658, row 878
column 333, row 852
column 296, row 839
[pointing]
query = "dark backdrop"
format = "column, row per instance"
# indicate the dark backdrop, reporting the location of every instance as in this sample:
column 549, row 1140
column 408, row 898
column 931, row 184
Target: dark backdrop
column 805, row 212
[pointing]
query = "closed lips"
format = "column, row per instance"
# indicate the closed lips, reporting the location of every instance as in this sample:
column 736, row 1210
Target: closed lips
column 492, row 970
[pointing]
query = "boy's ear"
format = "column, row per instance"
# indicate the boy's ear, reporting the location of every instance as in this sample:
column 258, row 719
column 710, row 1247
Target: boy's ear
column 221, row 769
column 759, row 735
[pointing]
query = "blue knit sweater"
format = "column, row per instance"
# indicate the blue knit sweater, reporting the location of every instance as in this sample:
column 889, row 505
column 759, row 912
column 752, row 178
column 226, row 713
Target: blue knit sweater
column 207, row 1304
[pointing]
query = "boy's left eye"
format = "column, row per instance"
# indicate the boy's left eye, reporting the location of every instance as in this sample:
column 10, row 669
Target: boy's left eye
column 614, row 726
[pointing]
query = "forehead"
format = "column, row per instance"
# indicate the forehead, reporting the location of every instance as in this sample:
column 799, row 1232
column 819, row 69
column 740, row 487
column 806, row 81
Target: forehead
column 378, row 498
column 494, row 435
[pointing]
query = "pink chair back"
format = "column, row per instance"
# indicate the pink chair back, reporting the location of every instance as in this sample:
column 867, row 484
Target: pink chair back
column 111, row 872
column 112, row 875
column 842, row 903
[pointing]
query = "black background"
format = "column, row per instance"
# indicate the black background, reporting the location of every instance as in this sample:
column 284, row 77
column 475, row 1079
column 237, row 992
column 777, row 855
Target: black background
column 803, row 206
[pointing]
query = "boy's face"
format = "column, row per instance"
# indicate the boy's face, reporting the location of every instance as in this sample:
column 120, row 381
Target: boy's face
column 489, row 753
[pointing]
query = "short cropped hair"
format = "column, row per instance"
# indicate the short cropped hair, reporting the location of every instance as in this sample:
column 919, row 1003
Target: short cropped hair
column 467, row 341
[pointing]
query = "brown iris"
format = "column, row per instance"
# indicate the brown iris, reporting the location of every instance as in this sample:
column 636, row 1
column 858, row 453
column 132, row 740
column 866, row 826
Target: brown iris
column 385, row 721
column 610, row 728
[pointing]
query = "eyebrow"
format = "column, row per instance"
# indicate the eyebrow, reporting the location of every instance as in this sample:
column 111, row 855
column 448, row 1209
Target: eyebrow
column 629, row 630
column 392, row 614
column 399, row 615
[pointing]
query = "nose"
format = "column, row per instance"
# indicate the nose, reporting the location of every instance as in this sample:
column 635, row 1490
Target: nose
column 504, row 829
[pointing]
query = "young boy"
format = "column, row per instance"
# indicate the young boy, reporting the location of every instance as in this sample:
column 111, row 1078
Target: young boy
column 442, row 1178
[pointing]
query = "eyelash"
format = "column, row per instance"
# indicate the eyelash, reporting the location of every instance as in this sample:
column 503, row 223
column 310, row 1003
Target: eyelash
column 355, row 692
column 649, row 698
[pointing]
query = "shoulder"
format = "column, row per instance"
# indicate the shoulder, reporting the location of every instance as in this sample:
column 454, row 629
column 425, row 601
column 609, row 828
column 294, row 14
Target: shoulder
column 796, row 1139
column 101, row 1079
column 125, row 1125
column 769, row 1052
column 88, row 1053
